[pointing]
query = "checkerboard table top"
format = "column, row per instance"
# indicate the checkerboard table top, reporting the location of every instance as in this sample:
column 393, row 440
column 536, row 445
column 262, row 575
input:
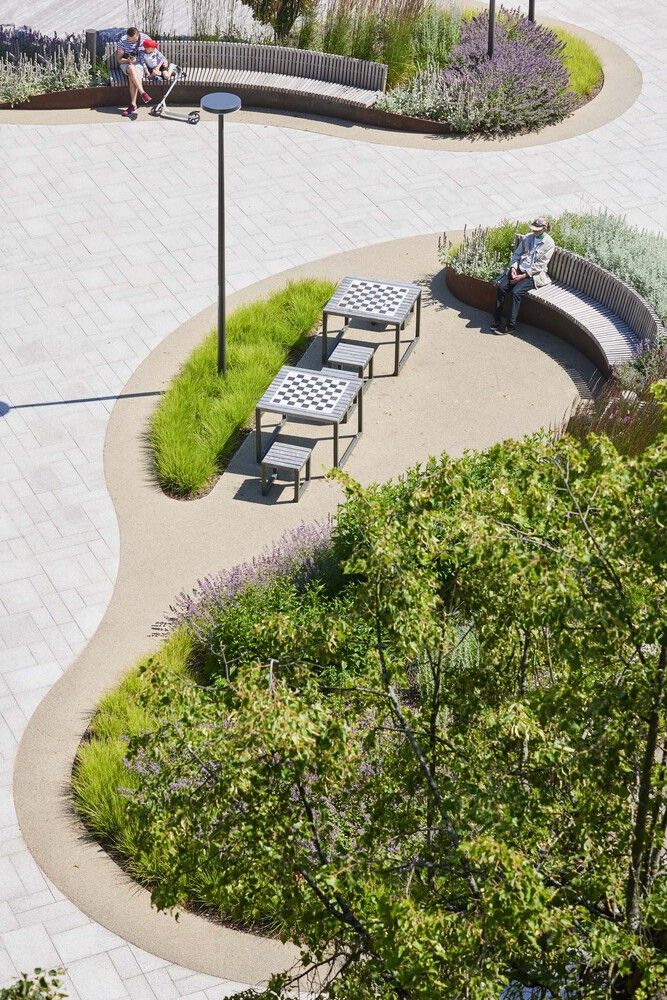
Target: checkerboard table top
column 302, row 392
column 364, row 298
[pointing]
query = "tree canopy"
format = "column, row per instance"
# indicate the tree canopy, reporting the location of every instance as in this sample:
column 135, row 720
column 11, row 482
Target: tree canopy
column 446, row 763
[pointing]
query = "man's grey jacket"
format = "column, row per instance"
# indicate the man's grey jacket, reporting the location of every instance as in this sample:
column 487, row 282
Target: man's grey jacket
column 533, row 256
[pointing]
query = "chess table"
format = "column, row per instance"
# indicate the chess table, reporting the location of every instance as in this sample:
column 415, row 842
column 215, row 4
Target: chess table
column 323, row 397
column 389, row 302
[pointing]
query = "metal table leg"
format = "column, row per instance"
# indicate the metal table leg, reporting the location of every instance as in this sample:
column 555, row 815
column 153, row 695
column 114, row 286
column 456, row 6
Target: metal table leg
column 397, row 349
column 418, row 322
column 335, row 444
column 360, row 408
column 324, row 337
column 258, row 434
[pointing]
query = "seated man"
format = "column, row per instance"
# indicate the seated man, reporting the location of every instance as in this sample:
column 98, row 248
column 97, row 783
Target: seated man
column 528, row 269
column 129, row 60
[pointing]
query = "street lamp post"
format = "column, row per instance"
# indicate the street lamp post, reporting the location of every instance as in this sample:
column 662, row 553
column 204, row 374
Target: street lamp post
column 492, row 25
column 531, row 10
column 221, row 105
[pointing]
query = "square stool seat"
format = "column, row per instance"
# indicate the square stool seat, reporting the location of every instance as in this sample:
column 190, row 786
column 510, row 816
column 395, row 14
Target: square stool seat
column 355, row 356
column 286, row 458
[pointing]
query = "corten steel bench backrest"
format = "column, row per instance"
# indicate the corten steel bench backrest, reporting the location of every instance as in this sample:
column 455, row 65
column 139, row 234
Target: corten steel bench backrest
column 271, row 59
column 573, row 271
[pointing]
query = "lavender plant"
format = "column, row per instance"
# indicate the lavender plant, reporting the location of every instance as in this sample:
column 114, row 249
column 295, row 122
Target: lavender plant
column 24, row 41
column 297, row 554
column 522, row 88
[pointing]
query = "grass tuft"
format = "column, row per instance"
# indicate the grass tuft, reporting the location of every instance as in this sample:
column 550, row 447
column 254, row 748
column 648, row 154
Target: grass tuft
column 582, row 64
column 99, row 770
column 196, row 425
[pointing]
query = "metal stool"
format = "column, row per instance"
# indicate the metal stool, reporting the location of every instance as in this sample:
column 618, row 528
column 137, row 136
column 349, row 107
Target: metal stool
column 287, row 458
column 354, row 356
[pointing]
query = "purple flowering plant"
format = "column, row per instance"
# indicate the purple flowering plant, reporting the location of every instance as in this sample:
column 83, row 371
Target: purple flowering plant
column 522, row 87
column 24, row 41
column 298, row 555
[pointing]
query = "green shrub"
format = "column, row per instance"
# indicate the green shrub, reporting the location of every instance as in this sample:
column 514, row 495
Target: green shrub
column 41, row 985
column 474, row 256
column 195, row 426
column 281, row 15
column 500, row 736
column 24, row 78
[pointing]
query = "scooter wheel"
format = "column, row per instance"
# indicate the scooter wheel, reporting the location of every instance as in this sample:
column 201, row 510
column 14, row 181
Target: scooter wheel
column 194, row 117
column 156, row 111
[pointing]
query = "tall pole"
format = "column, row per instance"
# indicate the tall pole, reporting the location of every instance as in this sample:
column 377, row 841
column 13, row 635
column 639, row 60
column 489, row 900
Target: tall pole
column 222, row 338
column 221, row 104
column 492, row 24
column 531, row 10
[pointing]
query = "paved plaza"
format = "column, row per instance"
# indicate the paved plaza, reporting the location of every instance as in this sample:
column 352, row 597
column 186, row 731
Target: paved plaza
column 108, row 244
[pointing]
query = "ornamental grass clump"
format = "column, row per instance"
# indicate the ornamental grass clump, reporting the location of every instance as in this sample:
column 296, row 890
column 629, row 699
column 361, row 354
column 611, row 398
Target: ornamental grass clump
column 197, row 424
column 632, row 420
column 400, row 33
column 523, row 87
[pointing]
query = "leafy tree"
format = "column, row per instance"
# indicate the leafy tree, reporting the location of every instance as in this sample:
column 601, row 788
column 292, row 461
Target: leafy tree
column 479, row 804
column 281, row 15
column 41, row 985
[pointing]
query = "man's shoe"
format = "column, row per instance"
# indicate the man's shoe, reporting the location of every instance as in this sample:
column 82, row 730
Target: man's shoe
column 146, row 98
column 496, row 323
column 508, row 328
column 129, row 111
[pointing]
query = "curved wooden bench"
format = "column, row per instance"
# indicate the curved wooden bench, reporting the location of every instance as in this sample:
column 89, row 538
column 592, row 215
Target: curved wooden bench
column 619, row 323
column 585, row 304
column 273, row 69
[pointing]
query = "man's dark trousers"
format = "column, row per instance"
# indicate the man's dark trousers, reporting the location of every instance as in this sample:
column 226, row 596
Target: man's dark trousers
column 503, row 286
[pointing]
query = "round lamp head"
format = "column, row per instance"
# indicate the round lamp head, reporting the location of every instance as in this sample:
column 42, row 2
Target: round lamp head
column 220, row 103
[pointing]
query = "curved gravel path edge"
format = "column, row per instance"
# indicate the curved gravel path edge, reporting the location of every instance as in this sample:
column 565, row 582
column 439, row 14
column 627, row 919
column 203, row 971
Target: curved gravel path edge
column 153, row 569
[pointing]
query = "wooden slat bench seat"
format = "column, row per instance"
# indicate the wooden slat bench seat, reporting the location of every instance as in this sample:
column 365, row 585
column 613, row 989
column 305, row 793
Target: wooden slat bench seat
column 609, row 321
column 274, row 69
column 619, row 341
